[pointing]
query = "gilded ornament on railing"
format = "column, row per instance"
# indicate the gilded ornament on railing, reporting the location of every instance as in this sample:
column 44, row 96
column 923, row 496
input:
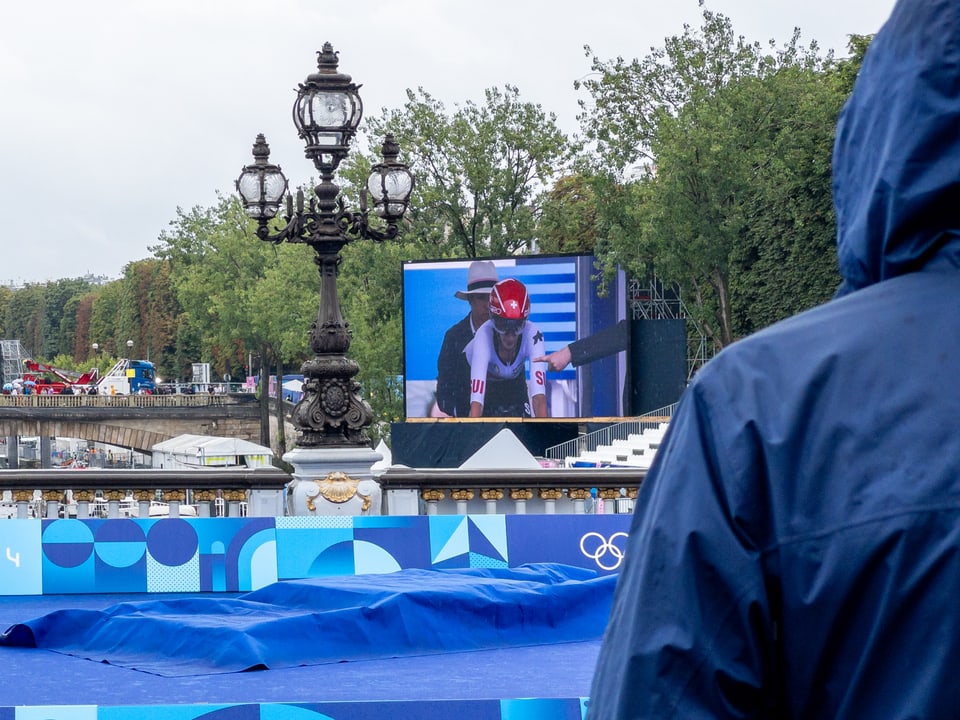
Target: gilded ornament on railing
column 578, row 493
column 114, row 495
column 491, row 494
column 338, row 487
column 52, row 495
column 83, row 495
column 234, row 495
column 22, row 495
column 144, row 495
column 609, row 493
column 551, row 493
column 632, row 492
column 521, row 494
column 461, row 495
column 432, row 495
column 174, row 495
column 204, row 495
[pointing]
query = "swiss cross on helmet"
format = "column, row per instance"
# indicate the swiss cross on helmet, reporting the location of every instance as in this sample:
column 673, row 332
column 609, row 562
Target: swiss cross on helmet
column 509, row 306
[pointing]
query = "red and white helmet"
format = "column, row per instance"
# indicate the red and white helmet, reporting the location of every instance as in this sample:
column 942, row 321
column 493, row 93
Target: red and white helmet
column 509, row 306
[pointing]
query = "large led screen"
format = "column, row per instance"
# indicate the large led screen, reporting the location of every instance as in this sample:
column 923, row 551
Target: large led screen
column 566, row 311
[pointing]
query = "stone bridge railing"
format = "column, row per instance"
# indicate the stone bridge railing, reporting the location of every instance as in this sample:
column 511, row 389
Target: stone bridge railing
column 261, row 490
column 452, row 491
column 121, row 401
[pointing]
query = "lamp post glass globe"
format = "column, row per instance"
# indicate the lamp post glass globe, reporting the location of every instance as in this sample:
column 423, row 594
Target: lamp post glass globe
column 261, row 185
column 390, row 183
column 327, row 112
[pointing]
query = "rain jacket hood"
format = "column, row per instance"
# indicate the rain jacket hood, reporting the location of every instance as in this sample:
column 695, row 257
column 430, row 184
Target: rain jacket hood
column 795, row 552
column 896, row 163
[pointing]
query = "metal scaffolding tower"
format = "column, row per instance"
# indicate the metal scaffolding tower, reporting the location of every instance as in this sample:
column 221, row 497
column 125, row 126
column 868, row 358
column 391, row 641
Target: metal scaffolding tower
column 13, row 354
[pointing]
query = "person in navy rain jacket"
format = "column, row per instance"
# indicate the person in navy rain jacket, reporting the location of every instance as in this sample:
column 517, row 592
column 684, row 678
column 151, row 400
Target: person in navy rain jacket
column 795, row 551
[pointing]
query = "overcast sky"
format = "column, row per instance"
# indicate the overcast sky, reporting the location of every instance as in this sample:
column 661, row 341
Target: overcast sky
column 116, row 112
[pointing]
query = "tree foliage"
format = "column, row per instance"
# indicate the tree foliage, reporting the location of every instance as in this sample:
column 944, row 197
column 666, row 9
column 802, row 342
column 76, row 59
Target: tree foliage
column 479, row 169
column 729, row 145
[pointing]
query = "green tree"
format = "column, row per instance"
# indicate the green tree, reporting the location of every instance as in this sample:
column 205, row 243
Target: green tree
column 479, row 170
column 568, row 219
column 149, row 313
column 731, row 144
column 226, row 282
column 26, row 318
column 60, row 298
column 104, row 327
column 371, row 286
column 6, row 294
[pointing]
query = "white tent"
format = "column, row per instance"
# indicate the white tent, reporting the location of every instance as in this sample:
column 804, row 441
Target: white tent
column 503, row 451
column 199, row 451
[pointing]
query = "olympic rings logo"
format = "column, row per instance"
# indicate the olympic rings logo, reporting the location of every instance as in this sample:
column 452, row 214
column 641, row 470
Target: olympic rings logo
column 602, row 548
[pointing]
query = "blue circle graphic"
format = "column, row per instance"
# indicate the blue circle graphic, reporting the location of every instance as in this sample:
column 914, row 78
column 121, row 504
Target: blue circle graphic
column 172, row 541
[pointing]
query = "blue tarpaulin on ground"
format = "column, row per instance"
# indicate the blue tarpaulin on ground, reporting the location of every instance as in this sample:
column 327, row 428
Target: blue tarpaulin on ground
column 326, row 620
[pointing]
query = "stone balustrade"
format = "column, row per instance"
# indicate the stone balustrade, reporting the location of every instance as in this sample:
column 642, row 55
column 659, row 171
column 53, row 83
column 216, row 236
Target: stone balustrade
column 261, row 489
column 452, row 491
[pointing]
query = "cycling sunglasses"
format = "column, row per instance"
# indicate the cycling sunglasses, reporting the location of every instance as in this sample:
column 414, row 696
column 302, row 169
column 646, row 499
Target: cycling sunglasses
column 504, row 325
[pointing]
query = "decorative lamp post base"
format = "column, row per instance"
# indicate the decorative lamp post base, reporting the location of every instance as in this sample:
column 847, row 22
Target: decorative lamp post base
column 333, row 481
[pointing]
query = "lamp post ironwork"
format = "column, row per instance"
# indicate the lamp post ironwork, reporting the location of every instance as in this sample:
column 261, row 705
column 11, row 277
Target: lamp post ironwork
column 327, row 111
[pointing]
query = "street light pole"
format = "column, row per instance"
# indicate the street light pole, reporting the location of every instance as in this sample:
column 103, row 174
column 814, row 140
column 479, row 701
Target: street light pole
column 332, row 412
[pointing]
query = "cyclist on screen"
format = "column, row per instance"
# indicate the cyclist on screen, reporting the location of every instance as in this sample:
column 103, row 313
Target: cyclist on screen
column 498, row 354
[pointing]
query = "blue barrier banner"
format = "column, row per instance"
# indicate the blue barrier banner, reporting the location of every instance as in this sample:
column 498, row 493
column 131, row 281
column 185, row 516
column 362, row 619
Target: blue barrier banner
column 169, row 555
column 20, row 557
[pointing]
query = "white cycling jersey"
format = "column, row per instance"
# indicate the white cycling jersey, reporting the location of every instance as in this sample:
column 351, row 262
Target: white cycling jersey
column 487, row 367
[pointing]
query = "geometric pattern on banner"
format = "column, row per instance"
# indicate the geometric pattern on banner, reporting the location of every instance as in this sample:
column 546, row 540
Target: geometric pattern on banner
column 249, row 711
column 491, row 709
column 158, row 555
column 595, row 542
column 542, row 709
column 404, row 538
column 57, row 712
column 485, row 561
column 313, row 549
column 461, row 541
column 488, row 537
column 163, row 578
column 236, row 554
column 421, row 710
column 21, row 558
column 71, row 556
column 364, row 546
column 93, row 556
column 120, row 557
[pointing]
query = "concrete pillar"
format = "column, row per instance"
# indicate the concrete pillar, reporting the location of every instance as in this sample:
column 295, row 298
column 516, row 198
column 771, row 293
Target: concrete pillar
column 520, row 497
column 13, row 452
column 432, row 498
column 46, row 446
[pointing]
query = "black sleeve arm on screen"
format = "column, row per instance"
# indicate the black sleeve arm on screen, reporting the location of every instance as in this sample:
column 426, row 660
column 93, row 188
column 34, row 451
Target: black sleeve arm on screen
column 608, row 341
column 453, row 373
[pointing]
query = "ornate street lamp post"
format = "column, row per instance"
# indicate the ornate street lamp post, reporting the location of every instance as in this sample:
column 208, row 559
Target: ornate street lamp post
column 332, row 413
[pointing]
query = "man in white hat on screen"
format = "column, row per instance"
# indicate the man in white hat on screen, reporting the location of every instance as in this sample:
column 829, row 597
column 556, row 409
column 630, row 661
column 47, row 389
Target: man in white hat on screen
column 453, row 370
